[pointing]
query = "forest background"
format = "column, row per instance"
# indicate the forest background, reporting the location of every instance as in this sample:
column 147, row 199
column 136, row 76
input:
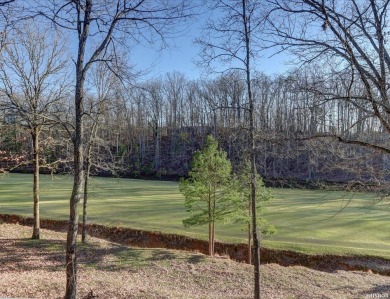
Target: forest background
column 152, row 131
column 142, row 126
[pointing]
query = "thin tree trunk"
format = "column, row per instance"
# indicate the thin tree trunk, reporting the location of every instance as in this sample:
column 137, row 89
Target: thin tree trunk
column 85, row 202
column 211, row 253
column 256, row 242
column 71, row 258
column 213, row 224
column 249, row 234
column 77, row 192
column 249, row 244
column 213, row 237
column 35, row 141
column 88, row 163
column 86, row 182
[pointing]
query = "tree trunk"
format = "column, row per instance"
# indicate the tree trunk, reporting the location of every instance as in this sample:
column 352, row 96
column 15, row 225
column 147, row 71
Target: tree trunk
column 77, row 192
column 85, row 202
column 71, row 258
column 249, row 244
column 213, row 224
column 211, row 253
column 213, row 237
column 256, row 243
column 88, row 163
column 35, row 141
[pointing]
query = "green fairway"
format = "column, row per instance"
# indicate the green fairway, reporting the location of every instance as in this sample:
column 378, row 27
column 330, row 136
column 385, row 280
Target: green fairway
column 309, row 221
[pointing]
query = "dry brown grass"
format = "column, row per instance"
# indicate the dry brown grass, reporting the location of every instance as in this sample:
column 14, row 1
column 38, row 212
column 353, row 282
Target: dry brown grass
column 35, row 269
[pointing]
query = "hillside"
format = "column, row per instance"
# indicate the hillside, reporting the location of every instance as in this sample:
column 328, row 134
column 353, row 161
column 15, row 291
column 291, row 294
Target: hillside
column 35, row 269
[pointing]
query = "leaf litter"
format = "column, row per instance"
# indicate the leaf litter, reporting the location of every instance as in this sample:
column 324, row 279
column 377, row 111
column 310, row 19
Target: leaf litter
column 36, row 269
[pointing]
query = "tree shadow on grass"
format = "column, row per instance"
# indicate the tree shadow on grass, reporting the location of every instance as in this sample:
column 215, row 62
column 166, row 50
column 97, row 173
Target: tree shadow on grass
column 163, row 255
column 119, row 257
column 196, row 258
column 110, row 258
column 28, row 255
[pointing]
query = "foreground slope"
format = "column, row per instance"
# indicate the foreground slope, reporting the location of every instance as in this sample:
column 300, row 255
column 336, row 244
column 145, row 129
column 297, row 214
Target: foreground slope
column 35, row 269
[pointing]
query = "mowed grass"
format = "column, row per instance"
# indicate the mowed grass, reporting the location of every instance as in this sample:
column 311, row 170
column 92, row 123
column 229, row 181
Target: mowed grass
column 306, row 220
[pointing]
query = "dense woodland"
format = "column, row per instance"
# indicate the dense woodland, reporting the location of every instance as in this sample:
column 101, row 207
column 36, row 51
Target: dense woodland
column 72, row 99
column 153, row 129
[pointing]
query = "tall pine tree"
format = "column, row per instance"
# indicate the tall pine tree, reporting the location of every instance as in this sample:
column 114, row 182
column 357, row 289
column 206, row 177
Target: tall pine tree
column 210, row 194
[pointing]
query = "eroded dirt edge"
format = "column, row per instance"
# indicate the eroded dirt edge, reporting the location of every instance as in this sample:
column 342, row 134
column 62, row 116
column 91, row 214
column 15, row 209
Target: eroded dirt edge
column 237, row 252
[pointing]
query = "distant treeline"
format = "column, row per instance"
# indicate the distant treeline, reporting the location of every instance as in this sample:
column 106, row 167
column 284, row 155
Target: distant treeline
column 153, row 130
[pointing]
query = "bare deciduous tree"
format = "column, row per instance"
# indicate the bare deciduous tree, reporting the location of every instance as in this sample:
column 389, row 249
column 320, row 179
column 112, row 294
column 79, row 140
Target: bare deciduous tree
column 349, row 40
column 101, row 27
column 31, row 68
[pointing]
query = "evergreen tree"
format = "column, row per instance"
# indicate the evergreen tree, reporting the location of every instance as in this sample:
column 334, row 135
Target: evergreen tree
column 210, row 193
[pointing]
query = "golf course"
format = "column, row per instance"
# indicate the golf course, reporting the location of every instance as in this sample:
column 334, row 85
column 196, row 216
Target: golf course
column 310, row 221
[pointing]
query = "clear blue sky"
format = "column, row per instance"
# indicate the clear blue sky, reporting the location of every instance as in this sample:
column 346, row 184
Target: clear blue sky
column 182, row 52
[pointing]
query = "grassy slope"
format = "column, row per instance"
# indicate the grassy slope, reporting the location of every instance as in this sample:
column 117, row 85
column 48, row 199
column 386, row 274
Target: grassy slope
column 306, row 220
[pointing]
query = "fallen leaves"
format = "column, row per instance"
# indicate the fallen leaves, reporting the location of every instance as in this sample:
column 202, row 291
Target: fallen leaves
column 36, row 269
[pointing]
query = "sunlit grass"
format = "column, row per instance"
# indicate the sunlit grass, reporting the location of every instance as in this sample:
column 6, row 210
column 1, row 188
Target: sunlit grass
column 306, row 220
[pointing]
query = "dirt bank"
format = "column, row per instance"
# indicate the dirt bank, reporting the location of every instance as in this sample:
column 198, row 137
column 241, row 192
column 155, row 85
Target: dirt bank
column 237, row 252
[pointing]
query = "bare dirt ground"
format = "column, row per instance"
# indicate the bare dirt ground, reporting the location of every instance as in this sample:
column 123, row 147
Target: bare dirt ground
column 35, row 269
